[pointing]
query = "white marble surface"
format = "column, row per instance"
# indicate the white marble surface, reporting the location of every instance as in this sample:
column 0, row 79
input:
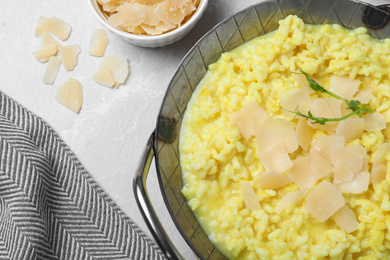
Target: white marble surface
column 111, row 131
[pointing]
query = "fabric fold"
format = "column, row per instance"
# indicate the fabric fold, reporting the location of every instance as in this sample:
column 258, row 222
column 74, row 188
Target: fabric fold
column 50, row 207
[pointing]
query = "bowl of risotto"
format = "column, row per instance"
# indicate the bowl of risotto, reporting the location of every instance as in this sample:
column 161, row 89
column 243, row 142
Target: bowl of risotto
column 272, row 140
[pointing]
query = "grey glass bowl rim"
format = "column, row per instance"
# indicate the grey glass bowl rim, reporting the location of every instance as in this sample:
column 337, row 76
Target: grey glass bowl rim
column 139, row 181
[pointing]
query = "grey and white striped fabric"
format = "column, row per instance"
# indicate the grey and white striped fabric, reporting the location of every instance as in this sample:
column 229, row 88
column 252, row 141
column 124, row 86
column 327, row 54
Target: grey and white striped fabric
column 50, row 208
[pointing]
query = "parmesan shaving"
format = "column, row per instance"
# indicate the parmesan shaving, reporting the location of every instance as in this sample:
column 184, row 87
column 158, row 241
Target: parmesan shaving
column 275, row 158
column 276, row 130
column 99, row 43
column 374, row 121
column 55, row 25
column 48, row 39
column 351, row 128
column 70, row 95
column 300, row 173
column 381, row 154
column 293, row 99
column 378, row 174
column 243, row 119
column 344, row 86
column 41, row 29
column 301, row 79
column 118, row 66
column 59, row 28
column 104, row 77
column 324, row 143
column 341, row 172
column 320, row 167
column 364, row 95
column 51, row 70
column 69, row 56
column 304, row 134
column 358, row 184
column 360, row 149
column 345, row 218
column 324, row 201
column 320, row 108
column 290, row 199
column 274, row 180
column 45, row 52
column 348, row 157
column 250, row 198
column 334, row 106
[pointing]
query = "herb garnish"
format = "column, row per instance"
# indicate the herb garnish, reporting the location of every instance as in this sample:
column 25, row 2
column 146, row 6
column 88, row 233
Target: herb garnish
column 354, row 105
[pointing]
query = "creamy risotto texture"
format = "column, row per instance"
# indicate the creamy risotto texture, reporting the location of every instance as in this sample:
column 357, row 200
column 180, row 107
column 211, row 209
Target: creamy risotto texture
column 264, row 179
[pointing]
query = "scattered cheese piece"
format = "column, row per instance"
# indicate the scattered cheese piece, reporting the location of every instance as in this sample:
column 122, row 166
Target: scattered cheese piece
column 45, row 52
column 48, row 39
column 348, row 157
column 304, row 134
column 341, row 172
column 290, row 199
column 293, row 99
column 69, row 56
column 59, row 28
column 300, row 173
column 250, row 199
column 358, row 184
column 324, row 201
column 274, row 130
column 320, row 167
column 351, row 128
column 345, row 218
column 70, row 95
column 374, row 121
column 55, row 25
column 118, row 66
column 98, row 43
column 378, row 174
column 274, row 180
column 243, row 119
column 104, row 77
column 41, row 27
column 51, row 70
column 275, row 158
column 344, row 86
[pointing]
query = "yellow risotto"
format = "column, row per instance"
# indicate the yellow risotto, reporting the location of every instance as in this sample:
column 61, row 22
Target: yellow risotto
column 216, row 158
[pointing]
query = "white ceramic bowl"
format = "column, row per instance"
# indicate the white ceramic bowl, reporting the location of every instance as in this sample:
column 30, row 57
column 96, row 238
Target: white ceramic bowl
column 152, row 41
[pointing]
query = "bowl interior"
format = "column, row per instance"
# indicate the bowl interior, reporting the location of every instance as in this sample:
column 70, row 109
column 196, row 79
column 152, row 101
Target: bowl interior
column 242, row 27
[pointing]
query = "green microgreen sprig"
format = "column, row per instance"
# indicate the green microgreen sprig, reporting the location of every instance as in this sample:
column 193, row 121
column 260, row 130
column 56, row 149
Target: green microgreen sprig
column 354, row 105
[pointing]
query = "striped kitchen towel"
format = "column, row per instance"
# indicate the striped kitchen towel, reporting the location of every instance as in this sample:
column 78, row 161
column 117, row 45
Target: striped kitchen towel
column 50, row 207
